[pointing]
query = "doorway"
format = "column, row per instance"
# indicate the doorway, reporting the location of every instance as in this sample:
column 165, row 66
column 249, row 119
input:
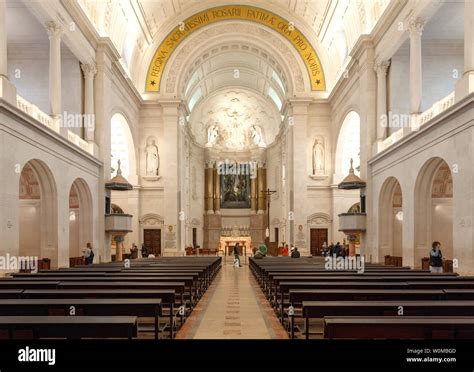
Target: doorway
column 152, row 240
column 318, row 237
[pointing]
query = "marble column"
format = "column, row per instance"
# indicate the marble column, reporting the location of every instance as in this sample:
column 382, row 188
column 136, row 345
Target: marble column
column 368, row 133
column 208, row 188
column 3, row 39
column 382, row 119
column 119, row 238
column 171, row 175
column 253, row 195
column 300, row 169
column 415, row 29
column 465, row 85
column 89, row 71
column 7, row 89
column 102, row 105
column 262, row 183
column 54, row 32
column 217, row 192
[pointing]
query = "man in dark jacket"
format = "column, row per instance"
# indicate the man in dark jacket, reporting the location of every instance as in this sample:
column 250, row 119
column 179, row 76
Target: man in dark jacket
column 295, row 253
column 436, row 258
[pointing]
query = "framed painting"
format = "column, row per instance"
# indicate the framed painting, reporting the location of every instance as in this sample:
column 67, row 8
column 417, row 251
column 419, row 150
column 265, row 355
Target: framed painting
column 235, row 191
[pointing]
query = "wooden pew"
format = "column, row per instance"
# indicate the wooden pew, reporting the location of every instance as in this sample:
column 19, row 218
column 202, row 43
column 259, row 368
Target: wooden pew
column 320, row 309
column 69, row 326
column 442, row 284
column 167, row 296
column 399, row 327
column 459, row 294
column 177, row 286
column 298, row 296
column 189, row 282
column 285, row 287
column 10, row 293
column 141, row 307
column 27, row 284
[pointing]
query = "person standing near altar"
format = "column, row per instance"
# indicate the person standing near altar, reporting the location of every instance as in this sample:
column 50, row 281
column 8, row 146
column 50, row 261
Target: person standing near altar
column 237, row 255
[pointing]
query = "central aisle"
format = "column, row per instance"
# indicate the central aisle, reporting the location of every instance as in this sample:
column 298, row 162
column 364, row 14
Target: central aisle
column 233, row 308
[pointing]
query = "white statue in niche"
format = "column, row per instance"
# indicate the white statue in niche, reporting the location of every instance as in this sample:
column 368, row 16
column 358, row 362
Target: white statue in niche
column 256, row 135
column 212, row 134
column 318, row 157
column 152, row 159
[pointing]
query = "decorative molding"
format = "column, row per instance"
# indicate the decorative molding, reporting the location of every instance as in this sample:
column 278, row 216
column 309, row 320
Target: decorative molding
column 188, row 51
column 151, row 178
column 319, row 219
column 152, row 219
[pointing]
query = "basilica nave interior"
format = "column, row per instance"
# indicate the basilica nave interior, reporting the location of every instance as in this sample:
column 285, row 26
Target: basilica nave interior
column 185, row 126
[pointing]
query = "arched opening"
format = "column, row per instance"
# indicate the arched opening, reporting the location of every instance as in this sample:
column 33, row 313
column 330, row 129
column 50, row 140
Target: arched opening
column 80, row 217
column 348, row 146
column 38, row 217
column 434, row 209
column 391, row 219
column 122, row 148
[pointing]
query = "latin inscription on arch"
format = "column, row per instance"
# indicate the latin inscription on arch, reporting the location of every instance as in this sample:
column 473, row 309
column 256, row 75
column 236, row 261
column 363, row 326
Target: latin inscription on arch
column 235, row 12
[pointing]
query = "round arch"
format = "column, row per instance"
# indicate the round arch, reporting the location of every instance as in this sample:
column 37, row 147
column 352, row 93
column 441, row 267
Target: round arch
column 433, row 205
column 348, row 146
column 251, row 14
column 81, row 217
column 38, row 212
column 390, row 218
column 122, row 147
column 234, row 33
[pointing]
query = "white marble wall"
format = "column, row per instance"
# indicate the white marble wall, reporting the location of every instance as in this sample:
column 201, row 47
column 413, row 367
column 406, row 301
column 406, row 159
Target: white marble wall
column 449, row 138
column 60, row 163
column 28, row 69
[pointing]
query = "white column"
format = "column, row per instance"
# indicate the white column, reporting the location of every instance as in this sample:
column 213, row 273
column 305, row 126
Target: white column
column 298, row 135
column 89, row 71
column 466, row 84
column 3, row 39
column 171, row 176
column 382, row 119
column 54, row 32
column 415, row 29
column 368, row 135
column 7, row 89
column 102, row 105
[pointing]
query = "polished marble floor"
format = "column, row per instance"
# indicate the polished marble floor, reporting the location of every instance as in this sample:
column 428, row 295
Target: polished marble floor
column 233, row 308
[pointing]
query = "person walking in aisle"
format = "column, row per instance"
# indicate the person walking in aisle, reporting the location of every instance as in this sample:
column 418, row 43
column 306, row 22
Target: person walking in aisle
column 237, row 255
column 436, row 258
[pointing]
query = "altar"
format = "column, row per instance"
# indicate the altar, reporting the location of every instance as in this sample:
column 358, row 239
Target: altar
column 227, row 244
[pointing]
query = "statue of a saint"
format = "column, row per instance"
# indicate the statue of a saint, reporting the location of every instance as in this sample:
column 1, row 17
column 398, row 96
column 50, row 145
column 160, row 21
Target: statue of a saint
column 318, row 158
column 256, row 135
column 152, row 159
column 212, row 134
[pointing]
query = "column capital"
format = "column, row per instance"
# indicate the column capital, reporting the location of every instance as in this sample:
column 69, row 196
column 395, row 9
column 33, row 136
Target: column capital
column 89, row 69
column 54, row 28
column 382, row 67
column 415, row 26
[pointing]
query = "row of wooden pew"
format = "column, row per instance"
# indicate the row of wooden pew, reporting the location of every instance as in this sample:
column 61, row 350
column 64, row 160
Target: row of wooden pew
column 381, row 302
column 105, row 300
